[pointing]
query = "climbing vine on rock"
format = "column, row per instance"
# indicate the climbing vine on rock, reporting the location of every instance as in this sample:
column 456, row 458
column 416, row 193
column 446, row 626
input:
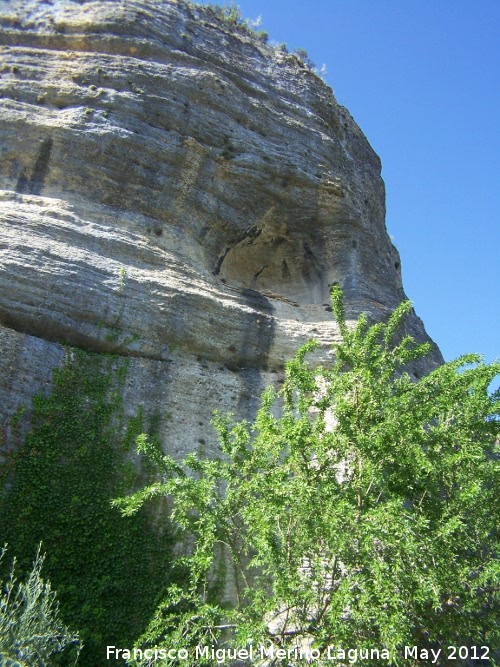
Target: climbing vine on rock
column 108, row 572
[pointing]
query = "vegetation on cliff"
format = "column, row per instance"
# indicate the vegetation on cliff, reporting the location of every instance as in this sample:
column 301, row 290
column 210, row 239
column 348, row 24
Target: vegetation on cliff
column 360, row 509
column 70, row 463
column 233, row 16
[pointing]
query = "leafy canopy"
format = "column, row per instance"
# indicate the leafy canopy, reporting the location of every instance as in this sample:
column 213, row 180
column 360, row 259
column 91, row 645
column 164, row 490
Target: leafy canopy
column 360, row 509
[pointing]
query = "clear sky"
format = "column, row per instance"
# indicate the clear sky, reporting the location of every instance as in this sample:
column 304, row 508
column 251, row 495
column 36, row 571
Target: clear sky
column 421, row 79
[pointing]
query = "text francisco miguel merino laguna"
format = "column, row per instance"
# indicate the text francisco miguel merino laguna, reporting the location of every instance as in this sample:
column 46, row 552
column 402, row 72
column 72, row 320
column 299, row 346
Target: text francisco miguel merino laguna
column 351, row 655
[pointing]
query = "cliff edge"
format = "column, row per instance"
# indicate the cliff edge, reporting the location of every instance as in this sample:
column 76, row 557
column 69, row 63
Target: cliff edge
column 177, row 192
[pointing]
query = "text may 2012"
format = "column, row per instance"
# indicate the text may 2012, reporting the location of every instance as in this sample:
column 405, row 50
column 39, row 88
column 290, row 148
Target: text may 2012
column 333, row 653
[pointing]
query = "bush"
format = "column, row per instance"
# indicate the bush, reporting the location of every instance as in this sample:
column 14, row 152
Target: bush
column 360, row 509
column 31, row 631
column 304, row 57
column 233, row 15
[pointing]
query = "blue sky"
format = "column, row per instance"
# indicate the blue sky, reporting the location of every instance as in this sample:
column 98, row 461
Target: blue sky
column 421, row 79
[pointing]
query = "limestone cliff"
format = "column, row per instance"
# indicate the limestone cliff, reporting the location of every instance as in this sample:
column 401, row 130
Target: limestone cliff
column 177, row 192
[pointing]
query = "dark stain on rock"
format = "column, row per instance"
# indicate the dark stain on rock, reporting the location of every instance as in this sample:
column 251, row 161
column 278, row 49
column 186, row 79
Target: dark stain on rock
column 34, row 184
column 313, row 269
column 257, row 275
column 257, row 300
column 41, row 168
column 219, row 261
column 22, row 182
column 308, row 253
column 253, row 353
column 285, row 271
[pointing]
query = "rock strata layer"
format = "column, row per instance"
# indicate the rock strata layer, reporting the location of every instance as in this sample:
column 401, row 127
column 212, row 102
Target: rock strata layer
column 177, row 192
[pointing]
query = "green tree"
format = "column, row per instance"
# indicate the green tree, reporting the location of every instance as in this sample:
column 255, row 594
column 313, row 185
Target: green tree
column 361, row 509
column 31, row 632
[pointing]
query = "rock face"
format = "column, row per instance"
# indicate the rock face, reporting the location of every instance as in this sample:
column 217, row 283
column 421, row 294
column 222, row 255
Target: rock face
column 177, row 192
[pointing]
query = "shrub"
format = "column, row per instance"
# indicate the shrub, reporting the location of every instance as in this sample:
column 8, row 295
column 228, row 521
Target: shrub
column 232, row 15
column 304, row 57
column 31, row 631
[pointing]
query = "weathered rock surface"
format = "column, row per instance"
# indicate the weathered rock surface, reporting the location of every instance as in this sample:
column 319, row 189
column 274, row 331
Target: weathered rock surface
column 175, row 191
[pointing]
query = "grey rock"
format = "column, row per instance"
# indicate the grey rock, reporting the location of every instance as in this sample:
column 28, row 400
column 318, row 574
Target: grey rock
column 177, row 192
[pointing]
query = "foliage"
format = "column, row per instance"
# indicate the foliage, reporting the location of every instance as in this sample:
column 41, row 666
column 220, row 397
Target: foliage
column 304, row 56
column 360, row 509
column 30, row 628
column 232, row 14
column 122, row 279
column 60, row 478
